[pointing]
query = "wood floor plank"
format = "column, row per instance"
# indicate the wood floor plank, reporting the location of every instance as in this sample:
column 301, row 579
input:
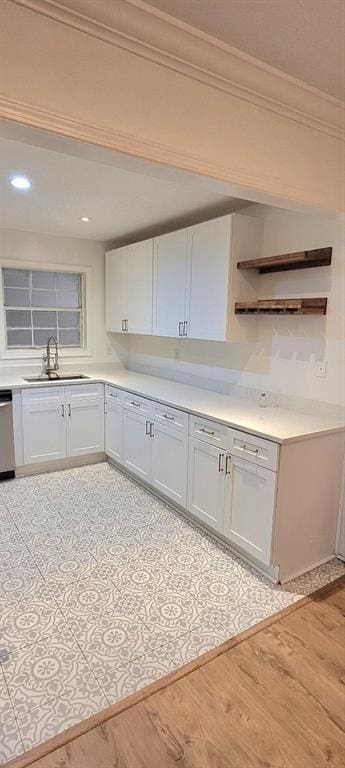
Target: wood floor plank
column 276, row 700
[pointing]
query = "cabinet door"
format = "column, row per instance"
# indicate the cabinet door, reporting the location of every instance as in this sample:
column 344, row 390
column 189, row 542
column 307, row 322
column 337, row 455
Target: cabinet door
column 137, row 444
column 206, row 486
column 169, row 462
column 44, row 431
column 207, row 312
column 249, row 507
column 113, row 430
column 116, row 288
column 85, row 425
column 140, row 276
column 169, row 283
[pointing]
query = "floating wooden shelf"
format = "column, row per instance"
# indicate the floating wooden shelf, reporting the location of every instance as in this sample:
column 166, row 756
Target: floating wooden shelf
column 320, row 257
column 282, row 307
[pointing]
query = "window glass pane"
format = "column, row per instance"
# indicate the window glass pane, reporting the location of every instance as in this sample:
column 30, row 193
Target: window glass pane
column 17, row 297
column 65, row 280
column 68, row 298
column 43, row 298
column 44, row 319
column 70, row 338
column 43, row 279
column 69, row 319
column 41, row 337
column 18, row 318
column 17, row 278
column 19, row 339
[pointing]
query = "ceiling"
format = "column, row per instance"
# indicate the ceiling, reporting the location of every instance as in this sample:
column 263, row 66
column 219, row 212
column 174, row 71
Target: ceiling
column 119, row 202
column 303, row 38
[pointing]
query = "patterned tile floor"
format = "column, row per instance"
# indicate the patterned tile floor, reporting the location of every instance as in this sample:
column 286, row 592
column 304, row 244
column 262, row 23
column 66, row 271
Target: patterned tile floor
column 103, row 589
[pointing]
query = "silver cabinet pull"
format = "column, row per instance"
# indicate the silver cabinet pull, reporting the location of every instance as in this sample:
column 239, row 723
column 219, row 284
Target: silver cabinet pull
column 220, row 462
column 170, row 418
column 126, row 325
column 206, row 431
column 69, row 409
column 148, row 428
column 135, row 403
column 254, row 452
column 227, row 464
column 123, row 325
column 112, row 395
column 180, row 328
column 105, row 410
column 62, row 410
column 152, row 429
column 185, row 325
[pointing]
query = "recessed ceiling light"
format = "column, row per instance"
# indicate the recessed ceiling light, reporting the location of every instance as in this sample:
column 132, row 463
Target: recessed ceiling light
column 85, row 219
column 20, row 182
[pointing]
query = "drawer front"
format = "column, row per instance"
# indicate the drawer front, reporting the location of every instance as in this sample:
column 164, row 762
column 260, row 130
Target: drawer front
column 94, row 391
column 262, row 452
column 47, row 394
column 208, row 431
column 113, row 394
column 137, row 404
column 171, row 417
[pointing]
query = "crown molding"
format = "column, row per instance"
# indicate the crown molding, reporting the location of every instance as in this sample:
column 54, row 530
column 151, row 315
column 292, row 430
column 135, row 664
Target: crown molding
column 139, row 28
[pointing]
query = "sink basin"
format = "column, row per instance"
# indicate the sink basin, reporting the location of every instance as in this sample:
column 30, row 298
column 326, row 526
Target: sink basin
column 53, row 380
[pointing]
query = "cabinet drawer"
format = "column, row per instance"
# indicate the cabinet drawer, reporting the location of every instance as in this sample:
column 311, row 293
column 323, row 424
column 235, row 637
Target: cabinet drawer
column 172, row 417
column 137, row 404
column 45, row 394
column 113, row 394
column 208, row 431
column 264, row 453
column 84, row 390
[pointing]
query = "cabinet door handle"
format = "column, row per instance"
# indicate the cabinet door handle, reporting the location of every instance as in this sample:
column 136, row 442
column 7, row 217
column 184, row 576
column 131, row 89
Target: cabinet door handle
column 135, row 403
column 69, row 409
column 148, row 428
column 123, row 325
column 180, row 328
column 206, row 431
column 227, row 464
column 105, row 410
column 220, row 462
column 254, row 452
column 152, row 429
column 185, row 325
column 62, row 410
column 170, row 418
column 126, row 325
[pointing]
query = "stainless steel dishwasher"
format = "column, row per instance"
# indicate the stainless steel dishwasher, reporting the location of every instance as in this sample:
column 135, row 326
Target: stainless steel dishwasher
column 6, row 435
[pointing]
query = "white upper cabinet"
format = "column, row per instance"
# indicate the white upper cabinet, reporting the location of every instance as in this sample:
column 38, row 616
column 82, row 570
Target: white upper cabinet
column 185, row 283
column 170, row 283
column 207, row 305
column 139, row 313
column 129, row 288
column 116, row 288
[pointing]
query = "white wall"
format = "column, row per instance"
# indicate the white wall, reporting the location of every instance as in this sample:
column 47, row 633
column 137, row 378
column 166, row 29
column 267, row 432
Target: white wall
column 28, row 247
column 283, row 359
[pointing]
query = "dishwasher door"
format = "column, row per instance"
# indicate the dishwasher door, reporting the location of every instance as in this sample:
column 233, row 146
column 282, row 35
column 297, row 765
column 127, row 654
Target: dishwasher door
column 6, row 436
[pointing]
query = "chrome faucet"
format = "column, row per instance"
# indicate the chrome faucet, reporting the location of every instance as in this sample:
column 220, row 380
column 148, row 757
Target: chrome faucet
column 51, row 367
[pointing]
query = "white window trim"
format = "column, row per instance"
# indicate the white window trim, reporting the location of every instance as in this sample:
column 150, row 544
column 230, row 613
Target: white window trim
column 64, row 352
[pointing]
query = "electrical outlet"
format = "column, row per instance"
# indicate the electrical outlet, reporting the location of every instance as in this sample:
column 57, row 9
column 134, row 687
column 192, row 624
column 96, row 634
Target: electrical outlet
column 321, row 369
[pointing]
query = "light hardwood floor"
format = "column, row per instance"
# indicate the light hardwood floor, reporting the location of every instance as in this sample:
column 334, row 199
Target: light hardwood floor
column 275, row 700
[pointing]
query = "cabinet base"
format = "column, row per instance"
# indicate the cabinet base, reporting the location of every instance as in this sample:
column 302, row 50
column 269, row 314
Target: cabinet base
column 52, row 466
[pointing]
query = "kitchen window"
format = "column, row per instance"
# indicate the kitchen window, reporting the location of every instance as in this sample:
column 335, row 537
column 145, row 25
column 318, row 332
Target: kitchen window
column 40, row 303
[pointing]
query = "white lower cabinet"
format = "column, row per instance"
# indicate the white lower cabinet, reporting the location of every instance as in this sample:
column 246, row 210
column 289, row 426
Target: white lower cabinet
column 170, row 462
column 249, row 507
column 137, row 443
column 62, row 422
column 113, row 430
column 206, row 487
column 44, row 430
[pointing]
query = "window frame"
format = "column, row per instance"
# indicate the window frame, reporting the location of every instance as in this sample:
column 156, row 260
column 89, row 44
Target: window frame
column 25, row 353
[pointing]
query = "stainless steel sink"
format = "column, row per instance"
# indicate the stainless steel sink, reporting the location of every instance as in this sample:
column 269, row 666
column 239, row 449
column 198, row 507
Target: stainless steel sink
column 54, row 379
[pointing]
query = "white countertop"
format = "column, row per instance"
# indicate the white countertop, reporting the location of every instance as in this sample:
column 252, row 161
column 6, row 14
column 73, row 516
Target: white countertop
column 274, row 423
